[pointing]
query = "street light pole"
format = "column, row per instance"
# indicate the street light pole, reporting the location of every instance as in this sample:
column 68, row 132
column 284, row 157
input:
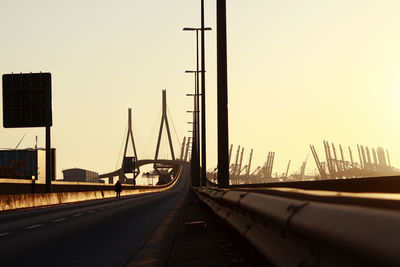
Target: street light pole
column 203, row 103
column 194, row 159
column 198, row 99
column 196, row 140
column 203, row 117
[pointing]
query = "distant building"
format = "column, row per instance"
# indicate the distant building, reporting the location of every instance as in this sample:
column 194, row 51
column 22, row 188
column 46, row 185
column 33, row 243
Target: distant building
column 80, row 175
column 26, row 164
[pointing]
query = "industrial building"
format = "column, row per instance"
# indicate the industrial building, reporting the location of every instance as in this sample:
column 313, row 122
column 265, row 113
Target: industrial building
column 80, row 175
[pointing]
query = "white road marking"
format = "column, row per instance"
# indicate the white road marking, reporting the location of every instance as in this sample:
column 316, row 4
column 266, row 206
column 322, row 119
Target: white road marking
column 33, row 226
column 60, row 219
column 4, row 234
column 78, row 214
column 91, row 211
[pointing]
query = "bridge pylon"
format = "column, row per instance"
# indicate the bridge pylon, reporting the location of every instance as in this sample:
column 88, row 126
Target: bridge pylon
column 164, row 119
column 129, row 135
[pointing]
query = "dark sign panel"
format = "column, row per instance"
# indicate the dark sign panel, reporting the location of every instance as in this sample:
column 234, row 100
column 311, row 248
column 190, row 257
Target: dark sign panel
column 27, row 100
column 129, row 164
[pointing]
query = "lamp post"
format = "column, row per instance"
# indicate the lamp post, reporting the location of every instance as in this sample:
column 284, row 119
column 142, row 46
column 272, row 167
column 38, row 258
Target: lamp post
column 195, row 164
column 203, row 113
column 196, row 140
column 203, row 101
column 197, row 110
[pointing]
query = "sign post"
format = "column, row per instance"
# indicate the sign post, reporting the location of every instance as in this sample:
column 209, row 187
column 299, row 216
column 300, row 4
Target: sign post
column 48, row 160
column 27, row 103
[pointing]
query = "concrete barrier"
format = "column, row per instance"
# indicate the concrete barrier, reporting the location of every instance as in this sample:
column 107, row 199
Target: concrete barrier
column 20, row 201
column 21, row 186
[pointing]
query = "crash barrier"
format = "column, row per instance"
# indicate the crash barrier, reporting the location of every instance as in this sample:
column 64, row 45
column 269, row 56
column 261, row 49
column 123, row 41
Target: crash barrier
column 24, row 186
column 19, row 201
column 289, row 232
column 384, row 184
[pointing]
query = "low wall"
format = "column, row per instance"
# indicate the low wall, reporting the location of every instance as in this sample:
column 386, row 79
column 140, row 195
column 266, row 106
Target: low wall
column 18, row 201
column 21, row 186
column 86, row 192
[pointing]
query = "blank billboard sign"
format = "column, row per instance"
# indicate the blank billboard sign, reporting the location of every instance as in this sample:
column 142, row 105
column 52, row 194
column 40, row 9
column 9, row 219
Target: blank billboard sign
column 27, row 100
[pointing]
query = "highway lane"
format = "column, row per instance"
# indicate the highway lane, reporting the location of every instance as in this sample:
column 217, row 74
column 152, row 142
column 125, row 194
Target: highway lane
column 94, row 233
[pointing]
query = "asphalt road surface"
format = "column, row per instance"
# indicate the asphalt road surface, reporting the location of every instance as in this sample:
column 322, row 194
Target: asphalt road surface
column 93, row 233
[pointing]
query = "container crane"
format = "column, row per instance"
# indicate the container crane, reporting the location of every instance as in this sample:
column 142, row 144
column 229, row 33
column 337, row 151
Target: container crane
column 249, row 165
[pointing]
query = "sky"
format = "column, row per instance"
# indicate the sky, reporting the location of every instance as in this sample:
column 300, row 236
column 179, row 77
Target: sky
column 299, row 72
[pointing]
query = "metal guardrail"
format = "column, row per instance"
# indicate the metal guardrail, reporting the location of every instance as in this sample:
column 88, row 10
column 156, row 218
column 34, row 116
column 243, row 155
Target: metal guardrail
column 290, row 232
column 385, row 184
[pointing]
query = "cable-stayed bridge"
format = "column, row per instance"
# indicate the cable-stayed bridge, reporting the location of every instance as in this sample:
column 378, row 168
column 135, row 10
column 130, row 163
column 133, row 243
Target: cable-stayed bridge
column 343, row 218
column 320, row 222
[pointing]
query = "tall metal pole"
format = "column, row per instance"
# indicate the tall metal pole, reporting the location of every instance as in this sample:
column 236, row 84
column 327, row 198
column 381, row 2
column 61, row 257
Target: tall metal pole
column 195, row 180
column 48, row 161
column 223, row 142
column 197, row 109
column 195, row 160
column 203, row 102
column 196, row 155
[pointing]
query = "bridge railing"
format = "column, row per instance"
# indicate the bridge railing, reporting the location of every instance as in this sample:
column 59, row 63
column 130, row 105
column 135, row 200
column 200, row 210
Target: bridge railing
column 289, row 232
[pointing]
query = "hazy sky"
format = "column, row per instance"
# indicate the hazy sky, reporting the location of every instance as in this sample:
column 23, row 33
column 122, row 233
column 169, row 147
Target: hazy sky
column 299, row 72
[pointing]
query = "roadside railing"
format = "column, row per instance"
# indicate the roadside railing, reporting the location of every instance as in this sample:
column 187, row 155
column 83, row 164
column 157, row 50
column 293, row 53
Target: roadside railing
column 290, row 232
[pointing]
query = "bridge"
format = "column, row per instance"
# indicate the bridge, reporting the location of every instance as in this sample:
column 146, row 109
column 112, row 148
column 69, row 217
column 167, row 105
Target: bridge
column 320, row 222
column 347, row 214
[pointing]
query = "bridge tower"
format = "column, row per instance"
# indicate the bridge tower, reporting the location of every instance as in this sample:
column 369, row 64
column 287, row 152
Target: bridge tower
column 122, row 176
column 164, row 119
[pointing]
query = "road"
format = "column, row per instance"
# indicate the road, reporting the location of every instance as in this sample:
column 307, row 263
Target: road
column 93, row 233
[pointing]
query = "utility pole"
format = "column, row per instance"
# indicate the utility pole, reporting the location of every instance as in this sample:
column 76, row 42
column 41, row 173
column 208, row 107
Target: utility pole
column 223, row 142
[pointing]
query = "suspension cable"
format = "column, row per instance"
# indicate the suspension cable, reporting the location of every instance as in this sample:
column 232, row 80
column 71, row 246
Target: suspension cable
column 120, row 150
column 173, row 125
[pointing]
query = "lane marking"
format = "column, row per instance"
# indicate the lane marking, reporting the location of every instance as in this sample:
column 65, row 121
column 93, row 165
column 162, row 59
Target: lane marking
column 33, row 226
column 60, row 219
column 4, row 234
column 91, row 211
column 78, row 214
